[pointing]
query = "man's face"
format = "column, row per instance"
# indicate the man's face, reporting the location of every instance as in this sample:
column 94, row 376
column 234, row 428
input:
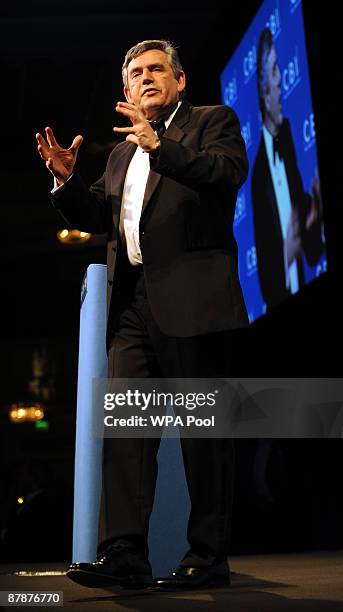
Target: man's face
column 273, row 92
column 152, row 85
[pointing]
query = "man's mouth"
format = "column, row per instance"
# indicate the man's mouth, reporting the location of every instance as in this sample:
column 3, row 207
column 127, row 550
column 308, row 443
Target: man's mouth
column 150, row 90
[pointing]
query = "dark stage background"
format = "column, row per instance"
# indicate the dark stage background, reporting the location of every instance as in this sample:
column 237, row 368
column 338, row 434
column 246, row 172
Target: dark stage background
column 60, row 66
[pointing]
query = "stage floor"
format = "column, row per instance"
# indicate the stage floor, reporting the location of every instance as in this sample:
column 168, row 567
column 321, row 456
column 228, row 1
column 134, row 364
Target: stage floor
column 308, row 582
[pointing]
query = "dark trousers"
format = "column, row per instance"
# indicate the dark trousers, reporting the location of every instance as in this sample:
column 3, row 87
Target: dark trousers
column 138, row 350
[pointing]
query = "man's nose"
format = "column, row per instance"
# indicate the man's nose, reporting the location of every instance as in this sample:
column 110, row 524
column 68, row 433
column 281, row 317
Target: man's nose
column 278, row 75
column 147, row 76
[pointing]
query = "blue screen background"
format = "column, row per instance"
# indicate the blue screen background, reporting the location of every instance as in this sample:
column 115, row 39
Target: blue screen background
column 239, row 90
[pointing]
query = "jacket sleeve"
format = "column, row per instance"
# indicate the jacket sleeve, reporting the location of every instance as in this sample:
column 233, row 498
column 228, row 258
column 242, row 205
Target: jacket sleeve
column 81, row 207
column 220, row 161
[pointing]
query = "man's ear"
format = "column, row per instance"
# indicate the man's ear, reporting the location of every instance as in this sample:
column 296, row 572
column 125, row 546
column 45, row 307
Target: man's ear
column 267, row 100
column 127, row 95
column 181, row 82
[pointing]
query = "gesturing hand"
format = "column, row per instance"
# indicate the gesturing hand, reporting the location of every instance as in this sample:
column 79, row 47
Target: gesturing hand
column 59, row 161
column 293, row 239
column 141, row 132
column 316, row 211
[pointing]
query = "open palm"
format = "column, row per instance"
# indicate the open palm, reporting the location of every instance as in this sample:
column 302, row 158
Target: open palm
column 58, row 160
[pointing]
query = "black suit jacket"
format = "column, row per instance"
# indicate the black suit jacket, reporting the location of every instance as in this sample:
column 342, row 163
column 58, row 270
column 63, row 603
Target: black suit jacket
column 267, row 227
column 186, row 235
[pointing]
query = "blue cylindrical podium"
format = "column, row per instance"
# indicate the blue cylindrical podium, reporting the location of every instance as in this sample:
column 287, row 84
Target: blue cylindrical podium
column 88, row 451
column 167, row 534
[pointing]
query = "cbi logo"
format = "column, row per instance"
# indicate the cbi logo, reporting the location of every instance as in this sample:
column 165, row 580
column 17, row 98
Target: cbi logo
column 274, row 22
column 251, row 261
column 241, row 208
column 249, row 64
column 246, row 134
column 309, row 132
column 291, row 75
column 293, row 5
column 231, row 92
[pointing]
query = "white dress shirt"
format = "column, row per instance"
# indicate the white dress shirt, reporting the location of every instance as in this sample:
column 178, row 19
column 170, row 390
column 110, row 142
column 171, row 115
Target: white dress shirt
column 132, row 200
column 284, row 204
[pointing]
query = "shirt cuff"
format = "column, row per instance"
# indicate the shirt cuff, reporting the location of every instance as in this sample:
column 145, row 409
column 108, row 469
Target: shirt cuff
column 56, row 187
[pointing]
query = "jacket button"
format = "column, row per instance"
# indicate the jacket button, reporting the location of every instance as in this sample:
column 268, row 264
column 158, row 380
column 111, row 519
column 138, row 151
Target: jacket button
column 110, row 282
column 114, row 249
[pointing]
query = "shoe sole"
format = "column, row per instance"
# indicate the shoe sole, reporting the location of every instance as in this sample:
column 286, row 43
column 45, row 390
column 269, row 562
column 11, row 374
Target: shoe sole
column 92, row 580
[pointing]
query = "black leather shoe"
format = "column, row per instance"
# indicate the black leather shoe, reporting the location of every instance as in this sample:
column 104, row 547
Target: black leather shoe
column 121, row 564
column 195, row 577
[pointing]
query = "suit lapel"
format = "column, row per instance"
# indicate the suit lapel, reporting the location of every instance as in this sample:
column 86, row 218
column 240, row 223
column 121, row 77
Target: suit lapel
column 118, row 177
column 271, row 191
column 174, row 132
column 151, row 184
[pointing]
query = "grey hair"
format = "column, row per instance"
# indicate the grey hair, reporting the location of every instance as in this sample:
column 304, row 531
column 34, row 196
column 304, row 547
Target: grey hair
column 146, row 45
column 264, row 47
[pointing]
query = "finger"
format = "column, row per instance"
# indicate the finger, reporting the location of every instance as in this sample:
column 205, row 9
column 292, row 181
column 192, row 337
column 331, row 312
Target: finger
column 42, row 152
column 41, row 142
column 126, row 105
column 132, row 138
column 76, row 143
column 40, row 139
column 50, row 137
column 125, row 130
column 129, row 111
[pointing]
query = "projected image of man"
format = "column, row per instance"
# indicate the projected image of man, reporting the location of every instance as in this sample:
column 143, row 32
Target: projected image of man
column 287, row 220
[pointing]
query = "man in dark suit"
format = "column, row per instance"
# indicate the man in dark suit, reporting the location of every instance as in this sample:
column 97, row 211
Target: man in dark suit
column 167, row 201
column 287, row 220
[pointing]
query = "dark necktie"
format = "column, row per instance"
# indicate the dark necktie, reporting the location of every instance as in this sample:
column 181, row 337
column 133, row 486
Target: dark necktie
column 277, row 148
column 159, row 127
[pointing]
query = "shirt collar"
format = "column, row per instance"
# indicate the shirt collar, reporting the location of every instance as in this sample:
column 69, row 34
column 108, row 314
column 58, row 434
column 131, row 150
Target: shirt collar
column 268, row 138
column 171, row 117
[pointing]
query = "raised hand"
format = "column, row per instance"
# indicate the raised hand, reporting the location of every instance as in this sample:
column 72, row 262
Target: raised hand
column 58, row 160
column 140, row 132
column 316, row 211
column 293, row 239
